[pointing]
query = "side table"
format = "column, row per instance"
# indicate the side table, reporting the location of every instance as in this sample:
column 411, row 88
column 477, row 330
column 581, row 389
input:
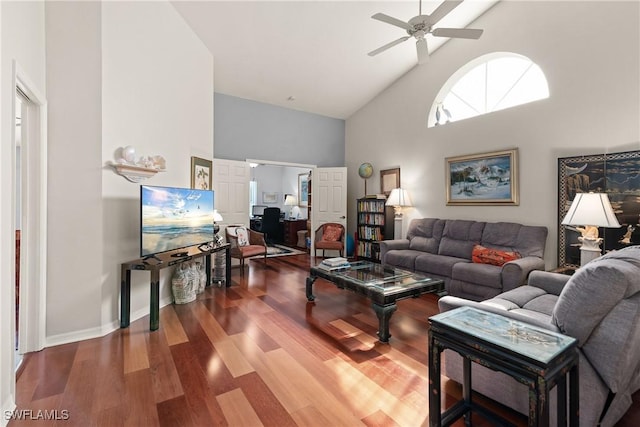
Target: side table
column 534, row 356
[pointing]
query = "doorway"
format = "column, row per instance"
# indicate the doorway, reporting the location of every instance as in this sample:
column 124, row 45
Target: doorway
column 29, row 173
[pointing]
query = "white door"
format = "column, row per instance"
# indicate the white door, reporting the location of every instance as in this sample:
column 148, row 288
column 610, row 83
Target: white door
column 328, row 198
column 231, row 191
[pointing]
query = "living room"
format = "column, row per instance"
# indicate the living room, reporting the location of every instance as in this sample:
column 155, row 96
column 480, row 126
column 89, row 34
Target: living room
column 593, row 108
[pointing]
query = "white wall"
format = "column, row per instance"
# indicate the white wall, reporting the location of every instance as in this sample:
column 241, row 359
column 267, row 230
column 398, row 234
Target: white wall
column 119, row 73
column 593, row 108
column 22, row 39
column 157, row 82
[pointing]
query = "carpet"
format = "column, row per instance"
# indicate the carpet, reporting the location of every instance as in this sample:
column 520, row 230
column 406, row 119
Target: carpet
column 280, row 250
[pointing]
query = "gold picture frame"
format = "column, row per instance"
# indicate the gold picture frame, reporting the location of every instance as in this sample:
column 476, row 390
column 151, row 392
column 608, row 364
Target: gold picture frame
column 389, row 179
column 201, row 173
column 483, row 179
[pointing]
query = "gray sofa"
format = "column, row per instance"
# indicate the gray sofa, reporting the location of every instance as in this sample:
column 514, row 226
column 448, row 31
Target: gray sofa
column 599, row 306
column 442, row 248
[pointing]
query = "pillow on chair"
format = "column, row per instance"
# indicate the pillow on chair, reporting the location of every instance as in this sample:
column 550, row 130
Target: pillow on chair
column 243, row 236
column 331, row 233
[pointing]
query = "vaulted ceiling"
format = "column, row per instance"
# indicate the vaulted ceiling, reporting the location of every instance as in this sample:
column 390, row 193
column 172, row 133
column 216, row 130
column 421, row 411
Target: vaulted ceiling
column 312, row 55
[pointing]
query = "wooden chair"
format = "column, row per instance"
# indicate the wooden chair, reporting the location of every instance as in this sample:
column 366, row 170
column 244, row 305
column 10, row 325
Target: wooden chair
column 330, row 236
column 256, row 246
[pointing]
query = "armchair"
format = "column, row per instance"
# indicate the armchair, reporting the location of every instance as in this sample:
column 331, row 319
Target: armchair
column 329, row 236
column 599, row 306
column 254, row 244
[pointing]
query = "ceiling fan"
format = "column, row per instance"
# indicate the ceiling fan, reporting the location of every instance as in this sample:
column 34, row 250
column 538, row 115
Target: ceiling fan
column 421, row 25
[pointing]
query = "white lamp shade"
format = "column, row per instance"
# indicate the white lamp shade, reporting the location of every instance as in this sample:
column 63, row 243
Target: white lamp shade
column 290, row 200
column 216, row 216
column 399, row 197
column 591, row 209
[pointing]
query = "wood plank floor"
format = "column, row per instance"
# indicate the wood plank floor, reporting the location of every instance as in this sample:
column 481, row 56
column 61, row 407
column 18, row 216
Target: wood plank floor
column 254, row 354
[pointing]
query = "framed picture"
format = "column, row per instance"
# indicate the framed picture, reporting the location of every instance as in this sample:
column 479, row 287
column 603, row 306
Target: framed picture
column 618, row 175
column 389, row 179
column 483, row 179
column 269, row 197
column 201, row 171
column 303, row 189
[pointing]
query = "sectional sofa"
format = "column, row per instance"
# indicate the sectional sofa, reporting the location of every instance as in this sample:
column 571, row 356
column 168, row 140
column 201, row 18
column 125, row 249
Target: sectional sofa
column 477, row 260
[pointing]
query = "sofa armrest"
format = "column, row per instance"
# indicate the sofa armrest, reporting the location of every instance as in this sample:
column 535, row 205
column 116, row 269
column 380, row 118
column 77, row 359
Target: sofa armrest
column 515, row 273
column 553, row 283
column 388, row 245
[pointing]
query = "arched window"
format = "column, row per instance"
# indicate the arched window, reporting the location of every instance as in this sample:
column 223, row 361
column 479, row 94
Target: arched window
column 489, row 83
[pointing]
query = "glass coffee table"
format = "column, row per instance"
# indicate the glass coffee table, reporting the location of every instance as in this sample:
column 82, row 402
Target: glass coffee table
column 383, row 285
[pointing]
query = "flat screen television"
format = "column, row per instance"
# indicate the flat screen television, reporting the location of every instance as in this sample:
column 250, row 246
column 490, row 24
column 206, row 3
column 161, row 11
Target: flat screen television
column 174, row 218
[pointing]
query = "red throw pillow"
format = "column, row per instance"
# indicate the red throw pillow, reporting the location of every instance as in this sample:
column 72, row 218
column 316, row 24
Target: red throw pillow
column 482, row 255
column 331, row 233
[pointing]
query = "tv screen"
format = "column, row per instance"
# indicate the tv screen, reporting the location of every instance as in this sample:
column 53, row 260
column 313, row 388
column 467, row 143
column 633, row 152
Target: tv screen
column 174, row 218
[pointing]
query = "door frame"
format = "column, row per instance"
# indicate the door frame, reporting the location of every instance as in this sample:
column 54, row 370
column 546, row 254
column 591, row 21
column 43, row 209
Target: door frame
column 33, row 169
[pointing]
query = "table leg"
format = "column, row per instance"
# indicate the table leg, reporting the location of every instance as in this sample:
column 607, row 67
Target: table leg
column 207, row 269
column 466, row 388
column 125, row 296
column 574, row 396
column 384, row 313
column 154, row 310
column 434, row 383
column 227, row 258
column 309, row 288
column 561, row 394
column 539, row 404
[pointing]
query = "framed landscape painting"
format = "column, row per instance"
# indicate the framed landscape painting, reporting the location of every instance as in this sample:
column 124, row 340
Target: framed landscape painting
column 483, row 179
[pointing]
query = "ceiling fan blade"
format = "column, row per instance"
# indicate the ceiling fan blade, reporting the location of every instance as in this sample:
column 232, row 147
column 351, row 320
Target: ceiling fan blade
column 460, row 33
column 387, row 46
column 423, row 51
column 393, row 21
column 442, row 10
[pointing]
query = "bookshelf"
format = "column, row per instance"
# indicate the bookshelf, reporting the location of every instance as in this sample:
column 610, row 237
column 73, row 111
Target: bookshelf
column 374, row 223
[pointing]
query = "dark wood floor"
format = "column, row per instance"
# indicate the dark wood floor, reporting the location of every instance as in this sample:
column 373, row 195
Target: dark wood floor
column 253, row 354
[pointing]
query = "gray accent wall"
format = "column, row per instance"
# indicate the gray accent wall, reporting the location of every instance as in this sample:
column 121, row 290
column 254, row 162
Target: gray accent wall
column 245, row 129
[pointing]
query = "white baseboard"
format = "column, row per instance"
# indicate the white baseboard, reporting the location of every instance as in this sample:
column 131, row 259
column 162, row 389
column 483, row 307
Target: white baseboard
column 99, row 331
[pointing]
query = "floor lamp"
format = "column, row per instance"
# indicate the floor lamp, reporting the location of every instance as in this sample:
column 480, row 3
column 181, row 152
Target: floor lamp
column 399, row 199
column 589, row 211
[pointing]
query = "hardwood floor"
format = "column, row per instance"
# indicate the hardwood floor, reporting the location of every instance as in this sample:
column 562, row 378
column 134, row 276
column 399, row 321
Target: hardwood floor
column 253, row 354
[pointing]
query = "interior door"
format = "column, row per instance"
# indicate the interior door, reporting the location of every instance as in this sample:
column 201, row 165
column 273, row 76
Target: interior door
column 329, row 198
column 231, row 186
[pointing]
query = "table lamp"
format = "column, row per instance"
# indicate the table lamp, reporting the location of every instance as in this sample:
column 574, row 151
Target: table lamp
column 216, row 219
column 290, row 200
column 399, row 198
column 590, row 210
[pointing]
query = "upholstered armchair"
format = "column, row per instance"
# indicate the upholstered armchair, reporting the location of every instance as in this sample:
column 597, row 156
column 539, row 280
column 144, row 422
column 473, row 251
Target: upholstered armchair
column 245, row 243
column 329, row 236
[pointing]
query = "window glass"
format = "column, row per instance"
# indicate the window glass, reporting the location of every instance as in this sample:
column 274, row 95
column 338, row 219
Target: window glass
column 489, row 83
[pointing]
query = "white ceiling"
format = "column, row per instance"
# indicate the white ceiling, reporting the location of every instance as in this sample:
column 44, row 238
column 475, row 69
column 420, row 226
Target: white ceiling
column 313, row 51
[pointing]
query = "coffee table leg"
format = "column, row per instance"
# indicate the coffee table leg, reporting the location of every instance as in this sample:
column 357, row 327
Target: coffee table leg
column 309, row 288
column 384, row 313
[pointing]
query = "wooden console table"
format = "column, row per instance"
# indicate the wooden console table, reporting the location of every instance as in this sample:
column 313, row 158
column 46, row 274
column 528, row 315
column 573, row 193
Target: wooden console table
column 154, row 265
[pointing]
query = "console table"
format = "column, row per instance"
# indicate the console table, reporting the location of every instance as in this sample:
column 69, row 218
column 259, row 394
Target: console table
column 154, row 265
column 534, row 356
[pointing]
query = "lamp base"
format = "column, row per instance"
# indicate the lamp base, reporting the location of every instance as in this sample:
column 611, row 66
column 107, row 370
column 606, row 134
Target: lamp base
column 589, row 250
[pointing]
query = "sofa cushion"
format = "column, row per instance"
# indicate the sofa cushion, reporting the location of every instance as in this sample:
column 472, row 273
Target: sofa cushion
column 459, row 237
column 508, row 236
column 482, row 255
column 594, row 289
column 425, row 233
column 331, row 233
column 437, row 264
column 481, row 274
column 402, row 258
